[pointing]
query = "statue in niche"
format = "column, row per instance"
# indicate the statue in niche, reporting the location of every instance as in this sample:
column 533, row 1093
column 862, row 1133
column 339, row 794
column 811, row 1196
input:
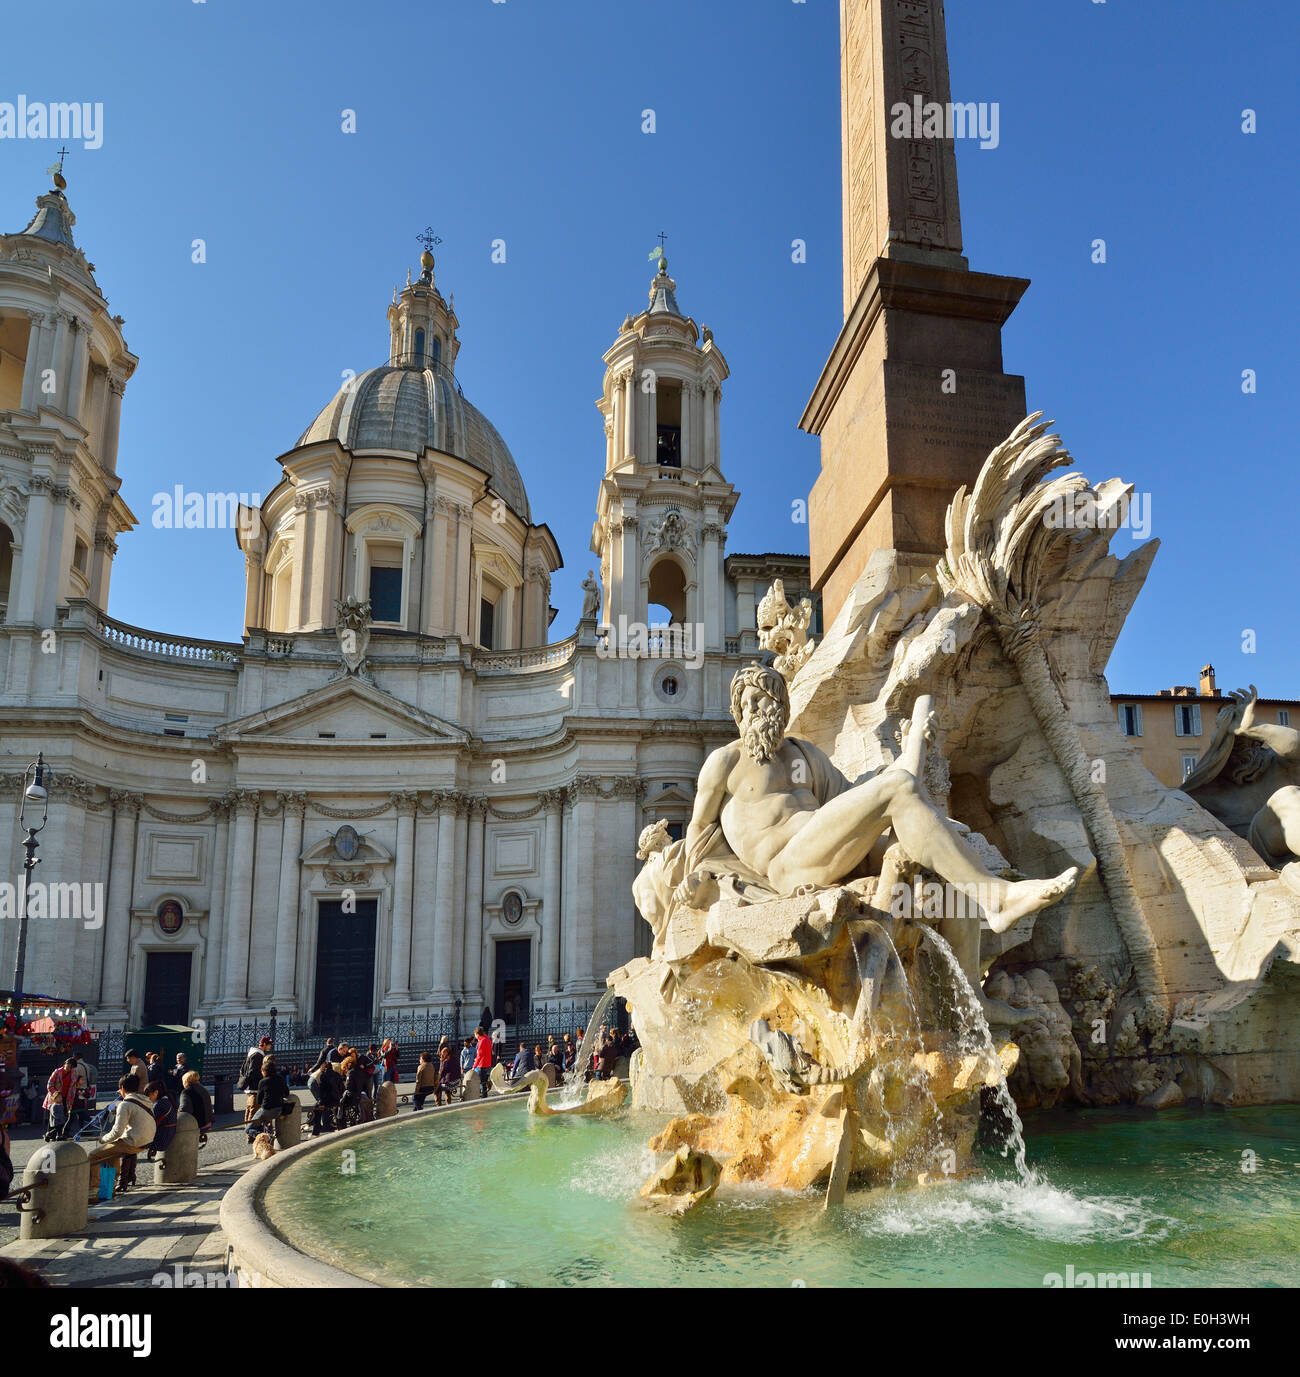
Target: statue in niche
column 774, row 818
column 1249, row 778
column 590, row 598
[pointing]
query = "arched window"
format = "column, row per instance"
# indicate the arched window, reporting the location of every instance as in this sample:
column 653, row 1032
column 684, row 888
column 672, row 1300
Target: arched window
column 666, row 593
column 437, row 351
column 419, row 347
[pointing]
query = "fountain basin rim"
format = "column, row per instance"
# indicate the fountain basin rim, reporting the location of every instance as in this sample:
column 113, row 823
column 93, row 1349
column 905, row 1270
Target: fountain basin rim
column 259, row 1250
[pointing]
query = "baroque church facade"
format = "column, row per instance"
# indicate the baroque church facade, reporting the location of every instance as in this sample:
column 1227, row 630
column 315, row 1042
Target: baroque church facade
column 398, row 791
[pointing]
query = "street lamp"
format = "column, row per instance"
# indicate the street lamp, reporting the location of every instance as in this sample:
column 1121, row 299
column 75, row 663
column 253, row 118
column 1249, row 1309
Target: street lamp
column 35, row 804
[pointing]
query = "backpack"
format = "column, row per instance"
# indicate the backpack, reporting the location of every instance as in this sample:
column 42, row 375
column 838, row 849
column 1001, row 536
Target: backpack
column 252, row 1067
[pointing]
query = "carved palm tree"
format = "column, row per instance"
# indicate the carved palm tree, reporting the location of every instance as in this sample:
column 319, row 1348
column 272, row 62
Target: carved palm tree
column 998, row 538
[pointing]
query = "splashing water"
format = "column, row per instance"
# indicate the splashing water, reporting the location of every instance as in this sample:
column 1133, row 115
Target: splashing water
column 910, row 1043
column 574, row 1082
column 975, row 1029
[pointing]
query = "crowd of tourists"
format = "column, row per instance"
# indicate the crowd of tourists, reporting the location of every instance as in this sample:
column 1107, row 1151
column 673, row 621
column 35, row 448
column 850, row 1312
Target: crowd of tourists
column 141, row 1119
column 344, row 1082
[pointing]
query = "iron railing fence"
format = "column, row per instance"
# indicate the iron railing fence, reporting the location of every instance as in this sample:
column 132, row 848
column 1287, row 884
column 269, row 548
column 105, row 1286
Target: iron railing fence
column 299, row 1042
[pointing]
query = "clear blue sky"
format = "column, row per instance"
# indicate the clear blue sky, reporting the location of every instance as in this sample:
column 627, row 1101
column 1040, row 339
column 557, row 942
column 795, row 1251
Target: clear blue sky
column 522, row 121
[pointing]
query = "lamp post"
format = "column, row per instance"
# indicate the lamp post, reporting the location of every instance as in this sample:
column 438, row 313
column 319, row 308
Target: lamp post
column 35, row 801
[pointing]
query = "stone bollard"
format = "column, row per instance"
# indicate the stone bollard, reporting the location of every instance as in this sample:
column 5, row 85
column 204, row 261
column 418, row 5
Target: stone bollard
column 61, row 1201
column 288, row 1128
column 180, row 1159
column 386, row 1100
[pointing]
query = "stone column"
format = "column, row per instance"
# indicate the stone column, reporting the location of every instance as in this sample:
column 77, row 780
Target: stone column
column 117, row 921
column 582, row 927
column 473, row 982
column 442, row 612
column 399, row 960
column 292, row 807
column 627, row 574
column 424, row 902
column 239, row 903
column 102, row 568
column 26, row 596
column 77, row 372
column 59, row 362
column 687, row 436
column 466, row 610
column 32, row 366
column 712, row 580
column 253, row 585
column 444, row 922
column 210, row 989
column 112, row 421
column 629, row 414
column 548, row 969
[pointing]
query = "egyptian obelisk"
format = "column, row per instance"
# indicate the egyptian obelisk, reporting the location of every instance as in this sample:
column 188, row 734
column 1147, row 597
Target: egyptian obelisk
column 913, row 396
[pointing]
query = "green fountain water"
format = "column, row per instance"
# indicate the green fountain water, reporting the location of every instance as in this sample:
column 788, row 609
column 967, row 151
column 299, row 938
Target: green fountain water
column 476, row 1198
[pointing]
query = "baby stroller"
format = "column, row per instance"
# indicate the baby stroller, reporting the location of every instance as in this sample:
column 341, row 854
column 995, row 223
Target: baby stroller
column 96, row 1126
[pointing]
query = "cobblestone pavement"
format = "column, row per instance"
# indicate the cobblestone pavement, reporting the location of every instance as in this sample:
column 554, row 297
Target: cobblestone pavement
column 225, row 1143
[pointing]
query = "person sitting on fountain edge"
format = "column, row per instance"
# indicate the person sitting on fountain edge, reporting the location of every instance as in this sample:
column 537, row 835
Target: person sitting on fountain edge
column 773, row 817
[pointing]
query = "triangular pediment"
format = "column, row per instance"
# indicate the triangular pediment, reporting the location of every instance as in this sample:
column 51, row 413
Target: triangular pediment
column 347, row 710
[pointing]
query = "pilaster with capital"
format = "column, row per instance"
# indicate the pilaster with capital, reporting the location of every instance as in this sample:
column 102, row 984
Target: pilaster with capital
column 473, row 979
column 424, row 899
column 117, row 920
column 548, row 971
column 292, row 807
column 444, row 918
column 213, row 963
column 398, row 984
column 580, row 927
column 239, row 904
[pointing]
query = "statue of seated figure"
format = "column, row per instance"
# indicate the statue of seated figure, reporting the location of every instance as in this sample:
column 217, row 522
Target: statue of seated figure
column 1250, row 773
column 773, row 817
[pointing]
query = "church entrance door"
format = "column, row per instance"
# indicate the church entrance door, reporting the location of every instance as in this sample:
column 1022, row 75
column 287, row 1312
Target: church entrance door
column 166, row 987
column 514, row 966
column 345, row 966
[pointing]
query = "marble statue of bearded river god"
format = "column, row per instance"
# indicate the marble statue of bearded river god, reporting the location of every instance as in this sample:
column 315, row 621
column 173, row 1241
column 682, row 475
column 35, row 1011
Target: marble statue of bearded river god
column 790, row 1010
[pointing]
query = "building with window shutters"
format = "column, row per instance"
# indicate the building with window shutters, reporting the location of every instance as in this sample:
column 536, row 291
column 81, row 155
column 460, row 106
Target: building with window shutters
column 349, row 812
column 1173, row 727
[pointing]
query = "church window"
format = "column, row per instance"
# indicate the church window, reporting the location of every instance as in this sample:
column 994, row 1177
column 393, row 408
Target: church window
column 437, row 351
column 419, row 347
column 486, row 619
column 385, row 588
column 669, row 686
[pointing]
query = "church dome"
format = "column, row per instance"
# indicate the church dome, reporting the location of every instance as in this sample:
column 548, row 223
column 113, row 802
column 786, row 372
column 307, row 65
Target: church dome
column 412, row 408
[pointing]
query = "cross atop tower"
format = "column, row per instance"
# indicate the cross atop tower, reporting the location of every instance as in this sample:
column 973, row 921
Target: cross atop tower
column 428, row 239
column 55, row 170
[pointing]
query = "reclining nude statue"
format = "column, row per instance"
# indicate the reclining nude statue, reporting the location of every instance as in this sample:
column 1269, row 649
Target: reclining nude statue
column 774, row 818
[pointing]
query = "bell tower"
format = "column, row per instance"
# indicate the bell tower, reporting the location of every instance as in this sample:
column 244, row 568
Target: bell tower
column 64, row 367
column 664, row 504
